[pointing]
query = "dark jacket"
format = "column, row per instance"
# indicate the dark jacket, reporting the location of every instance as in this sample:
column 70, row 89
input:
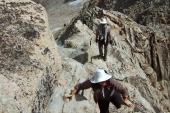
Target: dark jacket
column 111, row 84
column 103, row 33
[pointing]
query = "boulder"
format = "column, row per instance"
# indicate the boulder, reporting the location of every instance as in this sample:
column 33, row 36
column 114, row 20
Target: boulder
column 30, row 61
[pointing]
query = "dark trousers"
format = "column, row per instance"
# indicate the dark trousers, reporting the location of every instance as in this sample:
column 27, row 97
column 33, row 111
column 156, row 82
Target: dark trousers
column 101, row 44
column 115, row 99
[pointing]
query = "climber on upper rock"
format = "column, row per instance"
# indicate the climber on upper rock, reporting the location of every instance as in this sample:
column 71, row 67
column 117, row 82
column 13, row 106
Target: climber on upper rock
column 103, row 37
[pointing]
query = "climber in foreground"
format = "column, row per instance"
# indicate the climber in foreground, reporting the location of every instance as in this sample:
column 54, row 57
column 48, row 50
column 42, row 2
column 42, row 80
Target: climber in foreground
column 103, row 37
column 106, row 90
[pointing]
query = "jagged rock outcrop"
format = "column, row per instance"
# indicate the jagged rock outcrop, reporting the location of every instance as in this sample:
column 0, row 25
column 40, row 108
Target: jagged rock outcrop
column 135, row 58
column 143, row 11
column 34, row 78
column 29, row 59
column 151, row 13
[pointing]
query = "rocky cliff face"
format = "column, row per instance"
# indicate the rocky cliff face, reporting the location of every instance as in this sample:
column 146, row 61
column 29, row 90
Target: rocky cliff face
column 157, row 19
column 29, row 59
column 33, row 76
column 137, row 56
column 143, row 11
column 152, row 13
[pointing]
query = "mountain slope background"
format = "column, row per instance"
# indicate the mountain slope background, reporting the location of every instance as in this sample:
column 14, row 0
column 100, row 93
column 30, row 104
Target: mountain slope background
column 36, row 72
column 60, row 12
column 144, row 13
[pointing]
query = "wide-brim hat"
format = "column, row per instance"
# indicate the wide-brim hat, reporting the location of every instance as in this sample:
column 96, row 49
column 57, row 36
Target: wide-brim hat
column 103, row 21
column 100, row 76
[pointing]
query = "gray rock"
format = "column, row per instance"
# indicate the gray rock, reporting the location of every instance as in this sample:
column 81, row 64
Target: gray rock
column 35, row 73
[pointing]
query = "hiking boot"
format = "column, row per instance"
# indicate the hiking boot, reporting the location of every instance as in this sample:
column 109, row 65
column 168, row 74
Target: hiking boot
column 105, row 58
column 100, row 56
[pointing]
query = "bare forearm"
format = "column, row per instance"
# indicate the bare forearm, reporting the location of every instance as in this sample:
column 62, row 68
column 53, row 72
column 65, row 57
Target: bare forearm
column 73, row 92
column 70, row 95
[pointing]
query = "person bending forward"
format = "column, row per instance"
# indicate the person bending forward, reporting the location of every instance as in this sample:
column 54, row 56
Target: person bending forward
column 106, row 90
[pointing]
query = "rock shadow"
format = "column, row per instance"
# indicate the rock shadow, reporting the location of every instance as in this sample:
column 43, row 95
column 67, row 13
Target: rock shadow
column 96, row 57
column 80, row 97
column 66, row 1
column 82, row 58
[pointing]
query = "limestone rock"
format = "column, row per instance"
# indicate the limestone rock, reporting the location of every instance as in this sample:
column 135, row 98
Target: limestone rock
column 129, row 58
column 73, row 73
column 34, row 78
column 29, row 58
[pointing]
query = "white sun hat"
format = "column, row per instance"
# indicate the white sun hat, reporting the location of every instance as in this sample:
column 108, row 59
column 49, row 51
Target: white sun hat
column 103, row 21
column 100, row 76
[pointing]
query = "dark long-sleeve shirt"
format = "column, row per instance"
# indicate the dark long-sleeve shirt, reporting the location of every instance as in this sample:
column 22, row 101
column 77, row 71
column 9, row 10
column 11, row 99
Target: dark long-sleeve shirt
column 112, row 84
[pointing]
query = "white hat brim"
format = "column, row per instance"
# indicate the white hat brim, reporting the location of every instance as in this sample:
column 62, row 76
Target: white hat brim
column 103, row 22
column 104, row 78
